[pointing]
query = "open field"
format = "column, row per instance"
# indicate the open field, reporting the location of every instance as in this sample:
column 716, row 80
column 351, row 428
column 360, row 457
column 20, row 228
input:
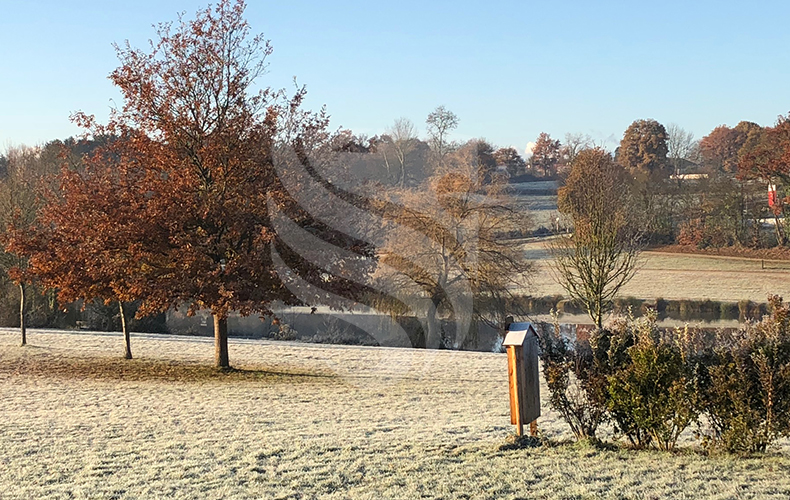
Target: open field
column 307, row 421
column 682, row 276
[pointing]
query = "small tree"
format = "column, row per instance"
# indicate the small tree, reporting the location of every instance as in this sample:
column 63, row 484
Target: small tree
column 510, row 159
column 18, row 207
column 87, row 240
column 601, row 255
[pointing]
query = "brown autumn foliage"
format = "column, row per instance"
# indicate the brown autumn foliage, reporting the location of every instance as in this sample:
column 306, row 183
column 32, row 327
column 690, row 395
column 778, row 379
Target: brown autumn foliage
column 546, row 154
column 643, row 151
column 176, row 209
column 721, row 148
column 767, row 159
column 88, row 238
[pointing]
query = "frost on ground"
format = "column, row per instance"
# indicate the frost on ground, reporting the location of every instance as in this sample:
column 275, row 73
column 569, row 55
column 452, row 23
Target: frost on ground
column 307, row 421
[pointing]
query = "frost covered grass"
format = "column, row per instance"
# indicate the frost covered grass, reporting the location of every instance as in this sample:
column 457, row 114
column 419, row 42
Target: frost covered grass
column 308, row 421
column 680, row 276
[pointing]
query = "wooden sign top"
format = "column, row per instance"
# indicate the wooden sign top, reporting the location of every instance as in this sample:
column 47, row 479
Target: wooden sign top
column 518, row 333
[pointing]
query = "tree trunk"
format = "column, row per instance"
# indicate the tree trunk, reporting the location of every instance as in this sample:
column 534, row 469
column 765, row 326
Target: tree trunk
column 433, row 340
column 126, row 336
column 221, row 342
column 780, row 235
column 595, row 311
column 22, row 307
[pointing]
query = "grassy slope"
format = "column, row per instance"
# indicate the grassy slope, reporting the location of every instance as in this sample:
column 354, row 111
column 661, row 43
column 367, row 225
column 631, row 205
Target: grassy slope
column 682, row 276
column 306, row 421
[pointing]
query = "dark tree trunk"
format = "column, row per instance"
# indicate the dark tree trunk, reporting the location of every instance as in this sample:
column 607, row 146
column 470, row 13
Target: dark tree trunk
column 221, row 342
column 780, row 234
column 22, row 307
column 126, row 335
column 433, row 339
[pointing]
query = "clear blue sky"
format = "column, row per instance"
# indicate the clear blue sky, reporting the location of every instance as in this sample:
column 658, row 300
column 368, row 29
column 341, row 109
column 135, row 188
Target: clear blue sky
column 509, row 70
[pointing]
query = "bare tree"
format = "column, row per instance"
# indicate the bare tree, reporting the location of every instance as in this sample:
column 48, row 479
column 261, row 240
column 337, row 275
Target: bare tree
column 441, row 122
column 404, row 138
column 574, row 144
column 601, row 255
column 448, row 245
column 681, row 147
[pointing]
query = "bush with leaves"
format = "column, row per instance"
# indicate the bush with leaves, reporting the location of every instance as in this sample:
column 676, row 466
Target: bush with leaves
column 575, row 386
column 650, row 384
column 747, row 397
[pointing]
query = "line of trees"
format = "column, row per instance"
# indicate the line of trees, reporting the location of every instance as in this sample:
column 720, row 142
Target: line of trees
column 195, row 193
column 190, row 196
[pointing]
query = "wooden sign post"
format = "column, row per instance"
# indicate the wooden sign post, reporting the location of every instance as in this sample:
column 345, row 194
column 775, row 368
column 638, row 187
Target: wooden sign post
column 521, row 343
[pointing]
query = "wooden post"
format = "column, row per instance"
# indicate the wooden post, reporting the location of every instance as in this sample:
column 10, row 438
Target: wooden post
column 521, row 344
column 514, row 376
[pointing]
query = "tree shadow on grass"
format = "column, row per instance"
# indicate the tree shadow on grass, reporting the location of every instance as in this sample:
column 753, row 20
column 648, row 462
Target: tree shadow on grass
column 513, row 442
column 49, row 363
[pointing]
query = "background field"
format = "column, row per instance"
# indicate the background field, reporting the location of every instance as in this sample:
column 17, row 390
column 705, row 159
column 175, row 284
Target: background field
column 307, row 421
column 683, row 276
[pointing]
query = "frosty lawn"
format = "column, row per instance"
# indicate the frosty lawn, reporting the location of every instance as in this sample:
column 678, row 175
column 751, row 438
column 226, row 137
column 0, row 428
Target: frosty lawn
column 307, row 421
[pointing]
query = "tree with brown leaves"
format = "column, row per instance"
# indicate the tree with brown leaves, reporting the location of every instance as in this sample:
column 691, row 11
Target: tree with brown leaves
column 766, row 157
column 643, row 152
column 546, row 154
column 18, row 207
column 88, row 239
column 196, row 146
column 721, row 148
column 600, row 256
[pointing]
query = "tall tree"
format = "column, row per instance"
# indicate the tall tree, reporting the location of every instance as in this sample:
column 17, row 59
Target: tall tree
column 681, row 147
column 600, row 256
column 643, row 151
column 404, row 139
column 721, row 148
column 546, row 154
column 765, row 156
column 203, row 142
column 441, row 122
column 575, row 144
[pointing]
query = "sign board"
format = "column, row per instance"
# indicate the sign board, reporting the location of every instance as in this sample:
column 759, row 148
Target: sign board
column 522, row 347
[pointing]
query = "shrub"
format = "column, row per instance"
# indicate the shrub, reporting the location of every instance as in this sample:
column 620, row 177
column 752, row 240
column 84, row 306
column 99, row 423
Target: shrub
column 747, row 398
column 650, row 391
column 574, row 384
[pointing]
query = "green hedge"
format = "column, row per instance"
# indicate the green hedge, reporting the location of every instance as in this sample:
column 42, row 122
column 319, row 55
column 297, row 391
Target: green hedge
column 651, row 384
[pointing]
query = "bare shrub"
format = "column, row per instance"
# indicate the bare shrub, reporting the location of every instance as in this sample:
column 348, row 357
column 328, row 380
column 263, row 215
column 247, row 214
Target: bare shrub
column 575, row 386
